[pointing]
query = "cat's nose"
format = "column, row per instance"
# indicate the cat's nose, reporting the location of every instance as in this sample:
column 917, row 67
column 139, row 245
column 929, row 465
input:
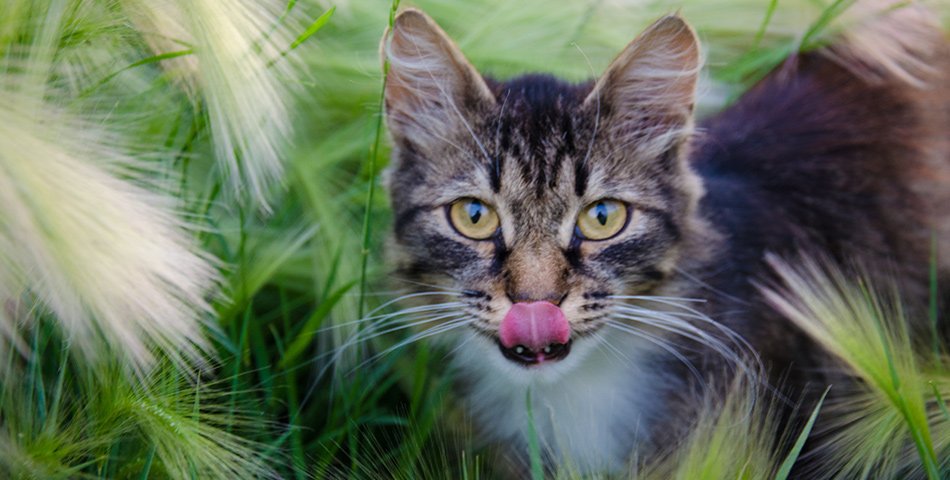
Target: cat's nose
column 535, row 332
column 527, row 297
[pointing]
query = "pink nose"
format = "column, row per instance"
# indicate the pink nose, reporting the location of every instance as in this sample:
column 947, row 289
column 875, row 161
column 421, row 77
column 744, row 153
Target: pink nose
column 534, row 325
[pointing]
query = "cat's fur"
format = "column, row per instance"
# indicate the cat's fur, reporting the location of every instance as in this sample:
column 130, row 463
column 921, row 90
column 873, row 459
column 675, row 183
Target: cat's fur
column 843, row 151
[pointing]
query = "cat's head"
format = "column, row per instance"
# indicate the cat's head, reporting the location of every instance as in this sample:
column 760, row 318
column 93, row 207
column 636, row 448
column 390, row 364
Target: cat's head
column 535, row 201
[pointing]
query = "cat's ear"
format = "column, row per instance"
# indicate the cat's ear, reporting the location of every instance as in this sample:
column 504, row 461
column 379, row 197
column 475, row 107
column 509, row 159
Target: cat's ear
column 648, row 91
column 431, row 88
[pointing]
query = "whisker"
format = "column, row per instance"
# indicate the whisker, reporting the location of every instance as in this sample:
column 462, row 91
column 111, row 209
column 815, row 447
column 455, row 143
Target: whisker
column 442, row 328
column 690, row 332
column 428, row 285
column 403, row 326
column 660, row 342
column 605, row 342
column 672, row 319
column 690, row 313
column 369, row 334
column 337, row 353
column 380, row 319
column 668, row 317
column 709, row 287
column 379, row 293
column 658, row 298
column 748, row 364
column 731, row 345
column 407, row 297
column 459, row 346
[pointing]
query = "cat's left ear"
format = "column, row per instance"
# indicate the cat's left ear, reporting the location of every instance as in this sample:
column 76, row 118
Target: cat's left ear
column 431, row 89
column 647, row 93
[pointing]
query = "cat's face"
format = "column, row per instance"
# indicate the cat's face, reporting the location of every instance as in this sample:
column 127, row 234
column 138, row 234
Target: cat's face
column 539, row 202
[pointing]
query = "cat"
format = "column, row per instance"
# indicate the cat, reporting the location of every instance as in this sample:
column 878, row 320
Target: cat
column 566, row 228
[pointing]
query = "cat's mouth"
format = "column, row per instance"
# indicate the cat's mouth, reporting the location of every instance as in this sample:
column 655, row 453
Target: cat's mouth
column 533, row 333
column 526, row 356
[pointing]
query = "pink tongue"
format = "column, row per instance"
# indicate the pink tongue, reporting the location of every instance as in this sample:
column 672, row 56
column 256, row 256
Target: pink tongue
column 534, row 325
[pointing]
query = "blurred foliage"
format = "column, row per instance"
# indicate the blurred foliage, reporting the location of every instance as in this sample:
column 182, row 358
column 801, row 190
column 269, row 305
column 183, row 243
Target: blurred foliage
column 270, row 401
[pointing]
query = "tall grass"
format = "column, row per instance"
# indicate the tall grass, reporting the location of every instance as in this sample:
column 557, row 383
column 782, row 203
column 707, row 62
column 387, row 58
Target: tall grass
column 188, row 227
column 899, row 400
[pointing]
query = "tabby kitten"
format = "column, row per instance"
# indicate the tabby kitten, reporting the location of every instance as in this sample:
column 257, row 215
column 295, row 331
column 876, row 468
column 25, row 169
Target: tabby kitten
column 571, row 227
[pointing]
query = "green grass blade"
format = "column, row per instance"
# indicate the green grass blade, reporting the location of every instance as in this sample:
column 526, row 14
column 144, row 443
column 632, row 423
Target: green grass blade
column 534, row 446
column 36, row 378
column 765, row 24
column 786, row 468
column 371, row 191
column 309, row 32
column 312, row 29
column 148, row 463
column 942, row 405
column 827, row 16
column 312, row 325
column 145, row 61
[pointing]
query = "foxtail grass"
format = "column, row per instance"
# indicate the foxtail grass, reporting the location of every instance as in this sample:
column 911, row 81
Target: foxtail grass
column 892, row 422
column 62, row 419
column 88, row 231
column 242, row 66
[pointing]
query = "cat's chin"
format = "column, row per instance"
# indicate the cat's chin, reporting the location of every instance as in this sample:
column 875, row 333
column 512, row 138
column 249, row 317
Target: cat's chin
column 588, row 409
column 480, row 352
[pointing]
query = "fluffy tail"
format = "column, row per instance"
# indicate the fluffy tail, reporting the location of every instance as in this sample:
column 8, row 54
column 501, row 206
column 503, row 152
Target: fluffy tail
column 890, row 39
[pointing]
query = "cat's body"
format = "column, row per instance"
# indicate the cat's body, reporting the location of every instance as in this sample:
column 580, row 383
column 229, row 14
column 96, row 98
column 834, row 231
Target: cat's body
column 832, row 156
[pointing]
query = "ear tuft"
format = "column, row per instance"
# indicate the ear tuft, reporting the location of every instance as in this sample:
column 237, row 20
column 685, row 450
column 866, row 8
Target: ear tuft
column 649, row 89
column 430, row 86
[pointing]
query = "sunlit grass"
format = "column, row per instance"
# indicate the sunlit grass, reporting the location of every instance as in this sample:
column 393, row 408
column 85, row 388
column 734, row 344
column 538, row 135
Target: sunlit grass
column 62, row 419
column 899, row 398
column 740, row 437
column 237, row 59
column 88, row 228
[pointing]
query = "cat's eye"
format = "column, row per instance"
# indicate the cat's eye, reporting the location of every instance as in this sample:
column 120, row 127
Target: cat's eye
column 473, row 218
column 602, row 219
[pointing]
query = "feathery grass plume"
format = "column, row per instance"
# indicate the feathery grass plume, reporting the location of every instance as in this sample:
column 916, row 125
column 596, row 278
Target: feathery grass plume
column 190, row 429
column 739, row 434
column 107, row 256
column 62, row 419
column 83, row 232
column 432, row 454
column 267, row 252
column 236, row 57
column 892, row 424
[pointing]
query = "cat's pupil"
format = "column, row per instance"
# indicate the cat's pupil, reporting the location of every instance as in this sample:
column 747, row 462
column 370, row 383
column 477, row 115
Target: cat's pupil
column 601, row 213
column 475, row 211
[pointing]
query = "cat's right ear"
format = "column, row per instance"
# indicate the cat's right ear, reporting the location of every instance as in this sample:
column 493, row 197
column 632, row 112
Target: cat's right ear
column 431, row 89
column 647, row 93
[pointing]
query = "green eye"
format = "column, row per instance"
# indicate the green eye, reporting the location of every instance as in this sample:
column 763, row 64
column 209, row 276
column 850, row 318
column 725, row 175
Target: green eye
column 602, row 219
column 473, row 219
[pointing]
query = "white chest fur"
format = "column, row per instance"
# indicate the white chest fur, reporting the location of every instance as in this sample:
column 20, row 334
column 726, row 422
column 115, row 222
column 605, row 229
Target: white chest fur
column 590, row 410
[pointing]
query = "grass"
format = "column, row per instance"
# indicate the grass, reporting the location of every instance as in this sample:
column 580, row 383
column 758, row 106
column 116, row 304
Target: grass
column 262, row 165
column 903, row 385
